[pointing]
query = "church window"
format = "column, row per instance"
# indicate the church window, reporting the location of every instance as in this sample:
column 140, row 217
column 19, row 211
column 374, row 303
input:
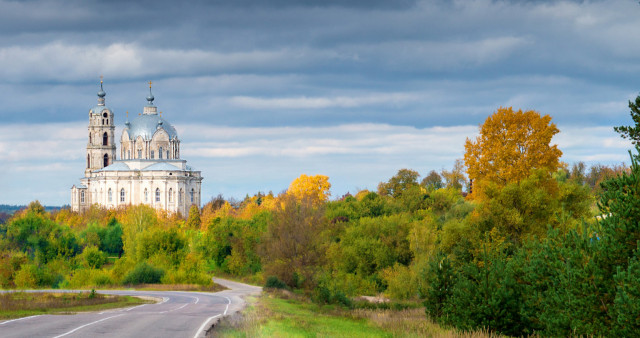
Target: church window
column 107, row 121
column 122, row 195
column 146, row 195
column 139, row 153
column 167, row 154
column 105, row 139
column 157, row 194
column 104, row 115
column 153, row 155
column 192, row 194
column 88, row 161
column 160, row 153
column 110, row 195
column 180, row 197
column 82, row 197
column 89, row 138
column 170, row 195
column 106, row 160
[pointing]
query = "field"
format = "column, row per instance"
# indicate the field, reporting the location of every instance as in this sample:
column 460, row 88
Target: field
column 282, row 314
column 22, row 304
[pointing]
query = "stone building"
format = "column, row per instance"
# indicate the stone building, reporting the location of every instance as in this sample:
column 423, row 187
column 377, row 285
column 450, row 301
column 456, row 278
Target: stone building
column 149, row 171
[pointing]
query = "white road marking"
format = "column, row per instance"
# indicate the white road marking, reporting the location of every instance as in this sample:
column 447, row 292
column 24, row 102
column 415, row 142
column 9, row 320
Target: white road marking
column 15, row 320
column 201, row 329
column 204, row 325
column 227, row 309
column 85, row 325
column 175, row 309
column 135, row 307
column 164, row 300
column 197, row 300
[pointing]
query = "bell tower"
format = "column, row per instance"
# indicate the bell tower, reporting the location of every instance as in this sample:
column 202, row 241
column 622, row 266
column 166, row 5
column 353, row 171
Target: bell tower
column 101, row 148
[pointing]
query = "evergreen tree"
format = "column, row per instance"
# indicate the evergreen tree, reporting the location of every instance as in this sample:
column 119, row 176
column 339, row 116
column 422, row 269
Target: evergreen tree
column 632, row 132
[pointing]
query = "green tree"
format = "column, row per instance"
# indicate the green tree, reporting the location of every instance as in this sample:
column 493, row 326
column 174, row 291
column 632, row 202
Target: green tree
column 399, row 183
column 632, row 132
column 193, row 222
column 433, row 181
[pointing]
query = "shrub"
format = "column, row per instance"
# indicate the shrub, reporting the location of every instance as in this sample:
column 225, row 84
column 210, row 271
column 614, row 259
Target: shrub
column 93, row 258
column 275, row 283
column 143, row 273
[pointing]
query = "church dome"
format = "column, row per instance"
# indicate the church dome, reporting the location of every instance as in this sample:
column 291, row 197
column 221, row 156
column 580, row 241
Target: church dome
column 146, row 125
column 97, row 110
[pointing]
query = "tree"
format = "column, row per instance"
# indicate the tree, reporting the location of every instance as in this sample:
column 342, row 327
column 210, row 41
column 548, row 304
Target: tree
column 455, row 178
column 632, row 132
column 314, row 187
column 433, row 181
column 403, row 180
column 289, row 248
column 511, row 144
column 193, row 222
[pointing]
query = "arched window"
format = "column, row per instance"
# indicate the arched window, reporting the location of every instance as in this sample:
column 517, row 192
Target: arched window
column 153, row 155
column 139, row 153
column 157, row 194
column 146, row 195
column 122, row 195
column 180, row 197
column 167, row 154
column 170, row 197
column 106, row 160
column 82, row 196
column 88, row 161
column 105, row 139
column 192, row 195
column 160, row 153
column 89, row 138
column 110, row 194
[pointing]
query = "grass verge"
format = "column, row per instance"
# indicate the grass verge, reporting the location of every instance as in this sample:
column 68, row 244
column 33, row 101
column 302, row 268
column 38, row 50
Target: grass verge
column 179, row 287
column 22, row 304
column 281, row 314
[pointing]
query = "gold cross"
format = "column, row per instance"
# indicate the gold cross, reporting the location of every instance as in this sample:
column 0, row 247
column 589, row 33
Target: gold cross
column 149, row 84
column 127, row 115
column 100, row 78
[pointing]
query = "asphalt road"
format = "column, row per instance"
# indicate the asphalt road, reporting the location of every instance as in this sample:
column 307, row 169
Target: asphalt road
column 179, row 314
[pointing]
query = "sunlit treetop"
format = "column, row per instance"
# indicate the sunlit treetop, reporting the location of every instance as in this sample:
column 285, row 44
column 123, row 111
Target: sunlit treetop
column 511, row 144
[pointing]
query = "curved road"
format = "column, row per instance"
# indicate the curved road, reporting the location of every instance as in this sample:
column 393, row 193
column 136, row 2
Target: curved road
column 179, row 314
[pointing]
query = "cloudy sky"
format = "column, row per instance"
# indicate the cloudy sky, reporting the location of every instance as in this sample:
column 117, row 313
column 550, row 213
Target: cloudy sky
column 263, row 91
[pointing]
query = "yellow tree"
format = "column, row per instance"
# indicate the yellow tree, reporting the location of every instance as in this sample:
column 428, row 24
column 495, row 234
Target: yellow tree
column 511, row 144
column 315, row 188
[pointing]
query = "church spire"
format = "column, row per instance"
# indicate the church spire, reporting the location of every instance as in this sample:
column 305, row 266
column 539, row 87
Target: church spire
column 101, row 94
column 150, row 98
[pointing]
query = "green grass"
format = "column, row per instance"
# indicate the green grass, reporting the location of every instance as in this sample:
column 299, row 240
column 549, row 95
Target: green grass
column 23, row 304
column 269, row 316
column 284, row 314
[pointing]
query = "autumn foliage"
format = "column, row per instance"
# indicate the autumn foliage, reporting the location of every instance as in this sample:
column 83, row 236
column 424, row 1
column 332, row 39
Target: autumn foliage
column 511, row 144
column 314, row 187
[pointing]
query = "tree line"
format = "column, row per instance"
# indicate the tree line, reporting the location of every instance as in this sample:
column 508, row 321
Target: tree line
column 510, row 239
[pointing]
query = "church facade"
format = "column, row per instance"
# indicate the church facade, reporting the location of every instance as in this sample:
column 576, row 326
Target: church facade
column 150, row 170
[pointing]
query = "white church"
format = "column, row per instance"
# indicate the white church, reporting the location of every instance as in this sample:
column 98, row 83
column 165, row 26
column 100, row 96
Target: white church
column 149, row 171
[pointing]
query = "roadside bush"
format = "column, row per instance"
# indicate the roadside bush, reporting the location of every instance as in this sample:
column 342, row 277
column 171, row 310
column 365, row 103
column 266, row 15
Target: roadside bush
column 143, row 273
column 275, row 283
column 32, row 276
column 93, row 258
column 84, row 278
